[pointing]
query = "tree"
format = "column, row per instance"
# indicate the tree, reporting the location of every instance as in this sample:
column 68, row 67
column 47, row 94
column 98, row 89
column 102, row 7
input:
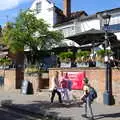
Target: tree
column 29, row 32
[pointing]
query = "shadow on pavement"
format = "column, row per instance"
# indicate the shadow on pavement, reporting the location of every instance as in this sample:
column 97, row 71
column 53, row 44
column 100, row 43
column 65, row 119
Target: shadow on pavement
column 44, row 109
column 55, row 104
column 41, row 108
column 114, row 115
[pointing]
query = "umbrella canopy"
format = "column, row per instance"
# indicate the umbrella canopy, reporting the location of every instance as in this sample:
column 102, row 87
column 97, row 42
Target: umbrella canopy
column 93, row 36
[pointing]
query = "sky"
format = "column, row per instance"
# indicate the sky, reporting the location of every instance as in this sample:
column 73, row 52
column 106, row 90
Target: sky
column 9, row 9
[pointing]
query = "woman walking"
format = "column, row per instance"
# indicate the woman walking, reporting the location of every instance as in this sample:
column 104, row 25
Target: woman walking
column 86, row 99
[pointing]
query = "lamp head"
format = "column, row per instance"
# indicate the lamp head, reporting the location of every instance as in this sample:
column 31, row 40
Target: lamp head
column 106, row 17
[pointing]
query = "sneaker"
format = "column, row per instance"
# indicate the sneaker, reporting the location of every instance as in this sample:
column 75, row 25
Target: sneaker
column 85, row 116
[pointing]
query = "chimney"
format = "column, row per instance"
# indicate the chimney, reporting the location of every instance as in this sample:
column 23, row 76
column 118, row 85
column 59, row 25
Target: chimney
column 67, row 7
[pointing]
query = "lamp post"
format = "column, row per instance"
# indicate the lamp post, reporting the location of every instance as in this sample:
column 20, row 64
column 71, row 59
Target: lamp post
column 107, row 96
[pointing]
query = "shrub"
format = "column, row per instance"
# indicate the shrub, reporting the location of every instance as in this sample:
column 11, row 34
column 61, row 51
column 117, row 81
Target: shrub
column 66, row 56
column 101, row 54
column 82, row 56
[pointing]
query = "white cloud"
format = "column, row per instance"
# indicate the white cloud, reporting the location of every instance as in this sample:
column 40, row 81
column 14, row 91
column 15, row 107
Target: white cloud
column 9, row 4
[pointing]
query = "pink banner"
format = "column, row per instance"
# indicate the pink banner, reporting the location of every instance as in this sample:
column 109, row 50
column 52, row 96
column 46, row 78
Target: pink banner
column 77, row 79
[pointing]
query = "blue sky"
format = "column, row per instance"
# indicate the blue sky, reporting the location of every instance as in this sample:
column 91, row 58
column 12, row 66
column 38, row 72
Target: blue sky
column 9, row 9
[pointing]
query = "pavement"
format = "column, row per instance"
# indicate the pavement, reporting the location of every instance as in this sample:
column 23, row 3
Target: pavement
column 39, row 104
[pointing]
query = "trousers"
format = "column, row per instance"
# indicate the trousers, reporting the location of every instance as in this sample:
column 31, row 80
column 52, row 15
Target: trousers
column 53, row 95
column 88, row 103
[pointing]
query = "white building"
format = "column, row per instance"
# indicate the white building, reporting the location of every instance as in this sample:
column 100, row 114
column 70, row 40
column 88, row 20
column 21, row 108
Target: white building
column 54, row 16
column 44, row 9
column 72, row 23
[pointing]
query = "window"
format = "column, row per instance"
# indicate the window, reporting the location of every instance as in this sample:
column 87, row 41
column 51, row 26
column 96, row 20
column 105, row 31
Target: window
column 38, row 7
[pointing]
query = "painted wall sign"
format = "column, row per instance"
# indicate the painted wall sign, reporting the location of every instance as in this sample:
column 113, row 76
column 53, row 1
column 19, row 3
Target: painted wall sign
column 77, row 79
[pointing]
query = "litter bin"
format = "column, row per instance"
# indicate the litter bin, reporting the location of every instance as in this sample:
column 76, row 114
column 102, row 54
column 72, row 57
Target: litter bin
column 30, row 88
column 24, row 86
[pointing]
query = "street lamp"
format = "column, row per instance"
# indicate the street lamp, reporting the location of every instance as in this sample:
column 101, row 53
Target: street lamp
column 107, row 96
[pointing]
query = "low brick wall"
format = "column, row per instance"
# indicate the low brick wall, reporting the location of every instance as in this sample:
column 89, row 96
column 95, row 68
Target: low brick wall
column 9, row 79
column 95, row 75
column 13, row 80
column 97, row 80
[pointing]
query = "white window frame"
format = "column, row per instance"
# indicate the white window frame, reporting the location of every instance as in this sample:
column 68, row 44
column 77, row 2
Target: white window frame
column 38, row 7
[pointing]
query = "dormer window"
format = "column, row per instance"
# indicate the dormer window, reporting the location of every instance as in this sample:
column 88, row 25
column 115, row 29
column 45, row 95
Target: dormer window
column 38, row 7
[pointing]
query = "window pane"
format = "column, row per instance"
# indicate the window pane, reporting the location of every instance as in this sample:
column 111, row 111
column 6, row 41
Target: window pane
column 38, row 7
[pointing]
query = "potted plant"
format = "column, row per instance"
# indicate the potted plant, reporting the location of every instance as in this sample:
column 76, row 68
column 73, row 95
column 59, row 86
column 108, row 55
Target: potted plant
column 36, row 76
column 82, row 58
column 65, row 58
column 32, row 69
column 100, row 54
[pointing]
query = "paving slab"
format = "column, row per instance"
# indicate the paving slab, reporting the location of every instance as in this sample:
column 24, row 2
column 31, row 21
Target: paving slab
column 39, row 104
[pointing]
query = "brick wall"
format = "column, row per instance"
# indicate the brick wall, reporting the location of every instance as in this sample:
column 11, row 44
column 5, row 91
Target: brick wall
column 96, row 77
column 9, row 79
column 97, row 80
column 116, row 85
column 14, row 77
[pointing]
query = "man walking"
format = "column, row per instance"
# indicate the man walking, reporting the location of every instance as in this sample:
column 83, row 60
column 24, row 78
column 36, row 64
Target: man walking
column 55, row 88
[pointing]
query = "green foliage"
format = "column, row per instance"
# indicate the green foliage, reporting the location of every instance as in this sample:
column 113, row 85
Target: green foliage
column 82, row 53
column 82, row 56
column 5, row 61
column 101, row 54
column 32, row 69
column 30, row 32
column 66, row 56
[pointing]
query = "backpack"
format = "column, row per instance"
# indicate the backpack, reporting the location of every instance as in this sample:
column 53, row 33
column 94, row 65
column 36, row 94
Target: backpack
column 92, row 94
